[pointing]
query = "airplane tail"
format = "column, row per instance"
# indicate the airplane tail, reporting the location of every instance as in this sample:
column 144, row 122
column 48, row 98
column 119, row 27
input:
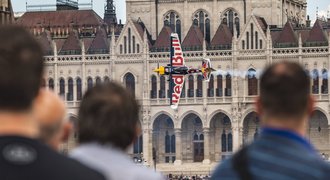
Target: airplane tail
column 207, row 69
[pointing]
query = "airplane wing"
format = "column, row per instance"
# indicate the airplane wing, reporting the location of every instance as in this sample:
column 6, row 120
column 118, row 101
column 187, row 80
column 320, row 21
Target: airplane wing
column 206, row 69
column 176, row 85
column 177, row 59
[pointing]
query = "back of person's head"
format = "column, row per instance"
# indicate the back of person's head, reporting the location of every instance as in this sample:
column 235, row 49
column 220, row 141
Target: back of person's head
column 108, row 114
column 285, row 91
column 21, row 68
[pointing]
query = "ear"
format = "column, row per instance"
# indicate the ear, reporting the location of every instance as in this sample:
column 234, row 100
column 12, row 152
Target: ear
column 67, row 128
column 258, row 107
column 311, row 105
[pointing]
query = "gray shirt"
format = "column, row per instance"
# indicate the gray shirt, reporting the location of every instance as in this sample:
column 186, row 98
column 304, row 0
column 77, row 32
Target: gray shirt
column 113, row 163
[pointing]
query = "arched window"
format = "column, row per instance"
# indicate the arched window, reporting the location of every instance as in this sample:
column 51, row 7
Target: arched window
column 202, row 20
column 173, row 144
column 252, row 40
column 98, row 81
column 231, row 19
column 325, row 86
column 167, row 143
column 153, row 93
column 243, row 44
column 62, row 87
column 79, row 89
column 129, row 41
column 260, row 44
column 172, row 19
column 228, row 85
column 257, row 40
column 89, row 83
column 219, row 86
column 137, row 148
column 183, row 92
column 199, row 90
column 121, row 49
column 201, row 137
column 130, row 83
column 210, row 92
column 230, row 142
column 70, row 90
column 196, row 138
column 138, row 48
column 133, row 44
column 315, row 87
column 106, row 79
column 252, row 83
column 125, row 44
column 51, row 84
column 247, row 40
column 162, row 87
column 223, row 142
column 191, row 86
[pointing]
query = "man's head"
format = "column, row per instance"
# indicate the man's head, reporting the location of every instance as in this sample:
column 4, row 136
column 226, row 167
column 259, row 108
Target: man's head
column 109, row 114
column 21, row 68
column 49, row 110
column 285, row 93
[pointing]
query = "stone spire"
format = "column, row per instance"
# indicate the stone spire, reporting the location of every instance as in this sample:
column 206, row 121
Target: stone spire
column 110, row 13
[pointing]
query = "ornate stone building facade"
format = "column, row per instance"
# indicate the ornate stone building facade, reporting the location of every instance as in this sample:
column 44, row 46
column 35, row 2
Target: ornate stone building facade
column 6, row 12
column 214, row 119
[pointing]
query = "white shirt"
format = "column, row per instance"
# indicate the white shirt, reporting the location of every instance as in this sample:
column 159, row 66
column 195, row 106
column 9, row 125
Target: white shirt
column 113, row 163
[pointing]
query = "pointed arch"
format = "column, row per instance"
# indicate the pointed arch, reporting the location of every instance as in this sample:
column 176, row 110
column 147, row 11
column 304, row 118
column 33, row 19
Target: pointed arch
column 69, row 96
column 228, row 85
column 191, row 86
column 315, row 78
column 199, row 90
column 210, row 91
column 90, row 83
column 153, row 93
column 252, row 82
column 62, row 87
column 129, row 80
column 162, row 87
column 325, row 86
column 51, row 83
column 79, row 89
column 202, row 20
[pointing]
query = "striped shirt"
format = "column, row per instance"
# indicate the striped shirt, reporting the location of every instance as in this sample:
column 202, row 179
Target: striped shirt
column 278, row 155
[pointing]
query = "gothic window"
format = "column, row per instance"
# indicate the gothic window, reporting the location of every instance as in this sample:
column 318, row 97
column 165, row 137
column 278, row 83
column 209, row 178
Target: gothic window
column 62, row 87
column 223, row 142
column 70, row 90
column 138, row 48
column 137, row 149
column 219, row 86
column 183, row 92
column 315, row 87
column 252, row 83
column 79, row 89
column 228, row 85
column 153, row 93
column 257, row 40
column 252, row 36
column 230, row 142
column 98, row 81
column 231, row 19
column 162, row 87
column 129, row 41
column 196, row 137
column 199, row 91
column 130, row 83
column 191, row 86
column 51, row 84
column 121, row 49
column 210, row 92
column 173, row 143
column 325, row 86
column 167, row 143
column 172, row 19
column 202, row 20
column 247, row 40
column 260, row 44
column 106, row 79
column 89, row 83
column 201, row 137
column 125, row 44
column 133, row 44
column 243, row 44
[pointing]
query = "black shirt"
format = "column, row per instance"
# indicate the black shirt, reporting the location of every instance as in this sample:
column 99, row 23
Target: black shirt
column 27, row 159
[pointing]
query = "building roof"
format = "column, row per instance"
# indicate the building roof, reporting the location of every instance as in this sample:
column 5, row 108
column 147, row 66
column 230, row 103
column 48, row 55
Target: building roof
column 164, row 39
column 71, row 43
column 140, row 27
column 287, row 35
column 262, row 22
column 45, row 42
column 194, row 38
column 99, row 43
column 222, row 36
column 65, row 18
column 317, row 34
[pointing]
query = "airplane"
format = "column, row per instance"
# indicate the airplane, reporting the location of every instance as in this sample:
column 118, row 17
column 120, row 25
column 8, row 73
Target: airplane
column 177, row 70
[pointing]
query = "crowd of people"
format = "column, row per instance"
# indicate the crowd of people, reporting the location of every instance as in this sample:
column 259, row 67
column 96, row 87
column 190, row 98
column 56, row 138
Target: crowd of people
column 33, row 125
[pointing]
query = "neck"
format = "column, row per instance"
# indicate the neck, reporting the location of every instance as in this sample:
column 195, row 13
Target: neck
column 18, row 124
column 297, row 126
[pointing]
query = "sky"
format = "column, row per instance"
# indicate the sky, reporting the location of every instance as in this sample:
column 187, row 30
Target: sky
column 98, row 6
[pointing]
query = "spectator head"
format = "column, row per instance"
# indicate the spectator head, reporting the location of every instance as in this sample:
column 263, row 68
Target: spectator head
column 21, row 68
column 285, row 92
column 109, row 114
column 49, row 111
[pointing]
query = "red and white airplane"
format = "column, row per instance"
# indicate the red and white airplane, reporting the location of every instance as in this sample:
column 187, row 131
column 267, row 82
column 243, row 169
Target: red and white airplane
column 177, row 70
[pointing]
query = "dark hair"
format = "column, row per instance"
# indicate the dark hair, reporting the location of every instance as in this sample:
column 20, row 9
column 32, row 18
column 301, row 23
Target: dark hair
column 284, row 90
column 21, row 68
column 108, row 114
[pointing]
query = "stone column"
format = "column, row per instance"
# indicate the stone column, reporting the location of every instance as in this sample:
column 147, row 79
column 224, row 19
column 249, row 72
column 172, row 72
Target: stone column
column 147, row 147
column 178, row 145
column 206, row 146
column 236, row 138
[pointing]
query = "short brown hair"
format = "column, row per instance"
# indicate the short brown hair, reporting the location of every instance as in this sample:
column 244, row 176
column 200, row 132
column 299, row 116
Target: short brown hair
column 108, row 114
column 285, row 93
column 21, row 68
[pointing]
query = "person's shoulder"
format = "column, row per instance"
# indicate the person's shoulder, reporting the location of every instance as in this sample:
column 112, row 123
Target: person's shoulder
column 224, row 170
